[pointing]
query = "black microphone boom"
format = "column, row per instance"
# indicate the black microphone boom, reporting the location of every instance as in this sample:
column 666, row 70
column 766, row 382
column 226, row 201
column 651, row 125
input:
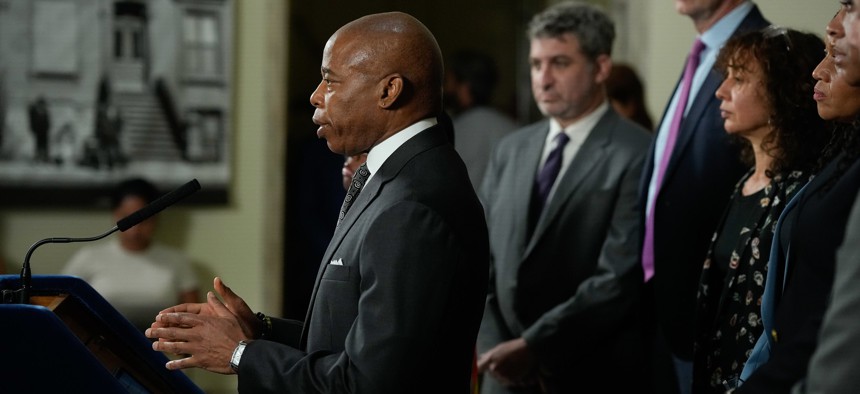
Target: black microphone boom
column 123, row 224
column 158, row 205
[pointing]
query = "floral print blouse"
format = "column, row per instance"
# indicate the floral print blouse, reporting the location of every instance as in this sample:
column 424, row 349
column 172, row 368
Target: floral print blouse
column 728, row 311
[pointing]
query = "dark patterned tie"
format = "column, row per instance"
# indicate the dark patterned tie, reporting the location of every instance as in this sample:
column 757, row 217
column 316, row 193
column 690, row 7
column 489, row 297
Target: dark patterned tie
column 546, row 176
column 354, row 189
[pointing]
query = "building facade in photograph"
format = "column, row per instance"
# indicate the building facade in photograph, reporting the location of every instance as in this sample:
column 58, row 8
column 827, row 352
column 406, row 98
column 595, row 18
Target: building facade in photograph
column 96, row 90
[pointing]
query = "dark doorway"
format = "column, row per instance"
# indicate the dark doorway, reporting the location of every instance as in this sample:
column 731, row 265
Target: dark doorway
column 129, row 47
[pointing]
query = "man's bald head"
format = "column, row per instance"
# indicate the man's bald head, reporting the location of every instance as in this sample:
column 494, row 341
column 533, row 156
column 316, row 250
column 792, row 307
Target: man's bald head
column 380, row 74
column 397, row 43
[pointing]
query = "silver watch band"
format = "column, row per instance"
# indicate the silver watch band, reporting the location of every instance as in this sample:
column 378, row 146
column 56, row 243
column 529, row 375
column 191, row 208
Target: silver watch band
column 237, row 356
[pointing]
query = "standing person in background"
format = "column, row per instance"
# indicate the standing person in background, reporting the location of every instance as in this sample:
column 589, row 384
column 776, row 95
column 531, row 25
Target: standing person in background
column 689, row 174
column 766, row 107
column 560, row 197
column 835, row 362
column 627, row 95
column 807, row 236
column 132, row 271
column 834, row 365
column 470, row 80
column 350, row 166
column 40, row 126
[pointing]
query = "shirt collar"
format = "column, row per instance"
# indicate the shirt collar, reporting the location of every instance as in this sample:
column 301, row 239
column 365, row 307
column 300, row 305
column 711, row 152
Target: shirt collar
column 379, row 153
column 719, row 33
column 579, row 128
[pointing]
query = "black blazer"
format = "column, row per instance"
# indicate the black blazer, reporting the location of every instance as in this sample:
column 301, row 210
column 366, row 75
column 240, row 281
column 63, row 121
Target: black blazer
column 399, row 294
column 696, row 187
column 817, row 228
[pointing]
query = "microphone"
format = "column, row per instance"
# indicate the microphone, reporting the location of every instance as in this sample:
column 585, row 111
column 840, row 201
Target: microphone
column 158, row 205
column 123, row 224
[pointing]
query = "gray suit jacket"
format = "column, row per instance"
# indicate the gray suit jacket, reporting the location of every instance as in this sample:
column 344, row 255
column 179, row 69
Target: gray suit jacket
column 402, row 311
column 569, row 288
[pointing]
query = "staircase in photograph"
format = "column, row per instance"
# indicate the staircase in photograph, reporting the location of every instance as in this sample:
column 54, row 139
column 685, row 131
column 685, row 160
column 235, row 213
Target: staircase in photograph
column 145, row 134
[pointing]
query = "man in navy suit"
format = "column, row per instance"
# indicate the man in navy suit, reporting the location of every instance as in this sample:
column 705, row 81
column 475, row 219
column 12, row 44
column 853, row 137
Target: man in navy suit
column 700, row 172
column 399, row 294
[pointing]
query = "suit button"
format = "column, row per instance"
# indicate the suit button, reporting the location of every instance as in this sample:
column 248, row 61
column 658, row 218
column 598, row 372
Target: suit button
column 774, row 336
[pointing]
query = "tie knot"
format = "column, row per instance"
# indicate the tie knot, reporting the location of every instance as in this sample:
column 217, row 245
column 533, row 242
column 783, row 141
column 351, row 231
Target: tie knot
column 561, row 139
column 698, row 47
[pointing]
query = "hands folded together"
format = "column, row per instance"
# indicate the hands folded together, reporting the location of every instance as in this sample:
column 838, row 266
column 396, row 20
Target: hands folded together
column 205, row 333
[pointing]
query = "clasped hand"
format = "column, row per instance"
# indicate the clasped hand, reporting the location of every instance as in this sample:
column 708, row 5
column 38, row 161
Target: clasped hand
column 511, row 363
column 205, row 333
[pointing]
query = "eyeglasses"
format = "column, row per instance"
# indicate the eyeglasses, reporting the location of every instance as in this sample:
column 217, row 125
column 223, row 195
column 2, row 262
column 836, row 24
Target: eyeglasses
column 777, row 31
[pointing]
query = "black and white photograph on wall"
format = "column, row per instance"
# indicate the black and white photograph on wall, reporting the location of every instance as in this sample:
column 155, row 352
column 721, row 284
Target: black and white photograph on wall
column 96, row 91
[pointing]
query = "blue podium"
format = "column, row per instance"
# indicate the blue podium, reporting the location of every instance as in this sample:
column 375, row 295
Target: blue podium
column 70, row 340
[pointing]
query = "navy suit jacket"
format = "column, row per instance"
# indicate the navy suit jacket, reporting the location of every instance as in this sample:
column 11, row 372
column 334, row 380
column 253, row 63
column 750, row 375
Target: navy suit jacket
column 697, row 184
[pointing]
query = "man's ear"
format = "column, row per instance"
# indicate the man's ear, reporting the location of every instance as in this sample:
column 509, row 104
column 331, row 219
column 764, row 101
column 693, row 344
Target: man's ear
column 390, row 88
column 602, row 68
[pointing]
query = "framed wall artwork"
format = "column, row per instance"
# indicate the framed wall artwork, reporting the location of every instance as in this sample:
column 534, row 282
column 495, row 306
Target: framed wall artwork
column 96, row 91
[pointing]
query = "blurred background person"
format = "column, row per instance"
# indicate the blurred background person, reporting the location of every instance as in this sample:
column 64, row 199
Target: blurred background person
column 833, row 367
column 40, row 126
column 690, row 172
column 136, row 274
column 560, row 197
column 810, row 230
column 781, row 135
column 627, row 95
column 350, row 166
column 470, row 80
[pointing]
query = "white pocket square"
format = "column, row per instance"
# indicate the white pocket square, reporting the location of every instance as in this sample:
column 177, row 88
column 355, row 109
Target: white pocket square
column 336, row 262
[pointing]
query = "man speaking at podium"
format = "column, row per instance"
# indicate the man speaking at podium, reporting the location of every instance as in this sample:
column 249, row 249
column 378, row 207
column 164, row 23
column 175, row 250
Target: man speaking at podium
column 399, row 296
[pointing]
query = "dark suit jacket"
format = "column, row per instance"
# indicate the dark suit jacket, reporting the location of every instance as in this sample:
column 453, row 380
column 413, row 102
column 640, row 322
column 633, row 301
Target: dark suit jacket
column 569, row 288
column 817, row 227
column 834, row 364
column 696, row 188
column 402, row 312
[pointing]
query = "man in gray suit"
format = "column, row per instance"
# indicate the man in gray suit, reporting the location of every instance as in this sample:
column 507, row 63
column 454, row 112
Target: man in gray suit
column 398, row 298
column 560, row 197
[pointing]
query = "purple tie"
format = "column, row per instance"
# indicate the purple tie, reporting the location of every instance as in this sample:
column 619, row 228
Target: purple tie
column 547, row 174
column 686, row 83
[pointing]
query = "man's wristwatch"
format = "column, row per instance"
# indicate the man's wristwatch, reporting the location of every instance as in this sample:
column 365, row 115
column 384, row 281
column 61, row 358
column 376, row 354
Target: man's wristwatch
column 237, row 356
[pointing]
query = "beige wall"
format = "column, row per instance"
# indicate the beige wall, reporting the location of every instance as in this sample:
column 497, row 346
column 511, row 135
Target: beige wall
column 663, row 38
column 242, row 241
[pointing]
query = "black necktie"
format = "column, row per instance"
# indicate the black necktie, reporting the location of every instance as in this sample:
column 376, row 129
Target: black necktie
column 354, row 189
column 546, row 176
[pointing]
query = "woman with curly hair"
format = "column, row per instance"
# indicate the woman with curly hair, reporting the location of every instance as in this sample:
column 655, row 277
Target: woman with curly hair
column 807, row 236
column 766, row 106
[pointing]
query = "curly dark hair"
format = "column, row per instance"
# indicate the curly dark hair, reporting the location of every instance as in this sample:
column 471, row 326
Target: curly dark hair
column 786, row 58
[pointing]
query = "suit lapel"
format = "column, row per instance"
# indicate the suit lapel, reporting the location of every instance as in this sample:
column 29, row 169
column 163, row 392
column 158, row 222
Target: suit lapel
column 525, row 167
column 754, row 20
column 705, row 96
column 690, row 123
column 591, row 153
column 425, row 140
